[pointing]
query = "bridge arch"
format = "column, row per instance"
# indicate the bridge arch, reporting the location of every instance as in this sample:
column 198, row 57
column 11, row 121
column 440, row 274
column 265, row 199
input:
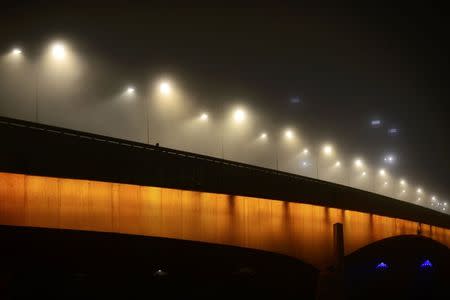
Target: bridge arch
column 401, row 249
column 403, row 267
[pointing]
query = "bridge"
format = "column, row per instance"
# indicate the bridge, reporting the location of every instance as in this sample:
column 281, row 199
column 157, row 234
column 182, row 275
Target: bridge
column 59, row 178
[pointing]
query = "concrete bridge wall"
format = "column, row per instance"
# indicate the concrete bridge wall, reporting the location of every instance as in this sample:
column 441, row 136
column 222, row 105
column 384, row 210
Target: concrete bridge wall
column 296, row 229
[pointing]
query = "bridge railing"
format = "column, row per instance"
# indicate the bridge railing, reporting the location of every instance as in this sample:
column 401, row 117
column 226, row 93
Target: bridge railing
column 321, row 184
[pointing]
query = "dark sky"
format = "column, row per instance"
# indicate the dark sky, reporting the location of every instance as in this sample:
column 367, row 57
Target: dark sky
column 346, row 64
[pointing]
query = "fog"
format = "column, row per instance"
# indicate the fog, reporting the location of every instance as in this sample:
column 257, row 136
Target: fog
column 84, row 93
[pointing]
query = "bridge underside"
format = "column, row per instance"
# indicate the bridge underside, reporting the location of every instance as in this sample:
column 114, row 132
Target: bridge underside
column 41, row 263
column 303, row 231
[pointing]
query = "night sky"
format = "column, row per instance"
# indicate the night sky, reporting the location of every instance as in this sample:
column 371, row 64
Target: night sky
column 343, row 65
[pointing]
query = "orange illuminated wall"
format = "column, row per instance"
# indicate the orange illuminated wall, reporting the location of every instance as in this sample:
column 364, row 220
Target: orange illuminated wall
column 300, row 230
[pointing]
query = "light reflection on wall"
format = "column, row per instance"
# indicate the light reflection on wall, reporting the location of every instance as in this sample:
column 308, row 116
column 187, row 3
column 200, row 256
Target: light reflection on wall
column 294, row 229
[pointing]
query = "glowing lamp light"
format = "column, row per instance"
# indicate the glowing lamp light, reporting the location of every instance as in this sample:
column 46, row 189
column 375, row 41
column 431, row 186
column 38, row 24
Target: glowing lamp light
column 289, row 134
column 165, row 88
column 358, row 163
column 58, row 51
column 385, row 183
column 403, row 191
column 426, row 264
column 327, row 150
column 363, row 174
column 419, row 199
column 204, row 117
column 305, row 151
column 393, row 131
column 130, row 90
column 160, row 273
column 263, row 136
column 433, row 198
column 402, row 182
column 419, row 191
column 304, row 164
column 16, row 51
column 338, row 164
column 382, row 266
column 382, row 172
column 390, row 159
column 239, row 115
column 375, row 123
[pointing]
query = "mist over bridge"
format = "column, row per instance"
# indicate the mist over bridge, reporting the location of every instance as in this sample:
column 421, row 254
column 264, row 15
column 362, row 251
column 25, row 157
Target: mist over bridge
column 59, row 178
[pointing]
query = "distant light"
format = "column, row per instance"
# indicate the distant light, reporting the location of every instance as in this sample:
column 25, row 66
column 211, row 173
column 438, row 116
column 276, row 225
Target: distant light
column 390, row 159
column 419, row 199
column 393, row 131
column 130, row 90
column 403, row 191
column 382, row 266
column 305, row 151
column 375, row 123
column 289, row 134
column 426, row 264
column 382, row 172
column 304, row 164
column 239, row 115
column 204, row 117
column 295, row 100
column 263, row 136
column 338, row 164
column 433, row 198
column 445, row 203
column 419, row 191
column 327, row 149
column 385, row 183
column 160, row 273
column 402, row 182
column 58, row 51
column 358, row 163
column 363, row 174
column 165, row 88
column 16, row 51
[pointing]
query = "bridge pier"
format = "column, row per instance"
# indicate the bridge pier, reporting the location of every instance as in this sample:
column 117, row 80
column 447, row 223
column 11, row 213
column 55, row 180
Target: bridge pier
column 330, row 283
column 338, row 247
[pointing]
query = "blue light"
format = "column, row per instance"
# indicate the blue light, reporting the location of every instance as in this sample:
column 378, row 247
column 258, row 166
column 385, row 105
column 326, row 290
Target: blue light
column 296, row 100
column 382, row 266
column 426, row 264
column 375, row 123
column 393, row 131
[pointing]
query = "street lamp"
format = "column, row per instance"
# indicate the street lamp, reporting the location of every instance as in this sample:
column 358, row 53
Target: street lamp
column 289, row 134
column 58, row 51
column 204, row 117
column 239, row 115
column 165, row 88
column 358, row 163
column 130, row 90
column 16, row 51
column 327, row 150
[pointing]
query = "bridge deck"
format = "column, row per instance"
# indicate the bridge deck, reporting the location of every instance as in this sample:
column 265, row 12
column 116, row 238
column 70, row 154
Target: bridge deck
column 37, row 149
